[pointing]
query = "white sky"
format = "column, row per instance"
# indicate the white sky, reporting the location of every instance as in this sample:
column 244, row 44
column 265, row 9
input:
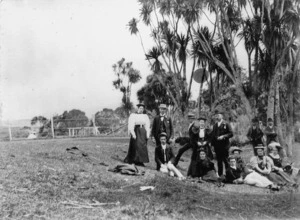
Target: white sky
column 57, row 55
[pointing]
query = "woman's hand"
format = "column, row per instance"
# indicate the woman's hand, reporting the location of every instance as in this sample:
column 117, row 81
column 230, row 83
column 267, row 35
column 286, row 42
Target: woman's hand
column 133, row 136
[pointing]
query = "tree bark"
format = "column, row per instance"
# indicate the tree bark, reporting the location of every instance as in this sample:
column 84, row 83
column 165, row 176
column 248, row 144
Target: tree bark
column 271, row 99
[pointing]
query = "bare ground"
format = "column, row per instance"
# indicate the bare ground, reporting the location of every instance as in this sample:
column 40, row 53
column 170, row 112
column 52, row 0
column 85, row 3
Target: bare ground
column 40, row 180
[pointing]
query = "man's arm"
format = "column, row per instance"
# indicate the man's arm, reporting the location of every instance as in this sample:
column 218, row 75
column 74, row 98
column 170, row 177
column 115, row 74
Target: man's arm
column 249, row 134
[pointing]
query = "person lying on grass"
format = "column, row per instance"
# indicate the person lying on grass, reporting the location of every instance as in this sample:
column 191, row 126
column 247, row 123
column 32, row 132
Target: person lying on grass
column 236, row 175
column 164, row 158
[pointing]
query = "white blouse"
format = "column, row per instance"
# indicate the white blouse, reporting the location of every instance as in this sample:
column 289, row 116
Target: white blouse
column 138, row 119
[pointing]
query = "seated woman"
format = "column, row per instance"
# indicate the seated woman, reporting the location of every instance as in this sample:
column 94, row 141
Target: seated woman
column 277, row 164
column 201, row 166
column 264, row 165
column 238, row 173
column 164, row 158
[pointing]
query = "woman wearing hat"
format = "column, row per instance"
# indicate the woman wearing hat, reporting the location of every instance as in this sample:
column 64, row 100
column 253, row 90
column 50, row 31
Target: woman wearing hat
column 139, row 130
column 264, row 166
column 277, row 165
column 200, row 137
column 203, row 167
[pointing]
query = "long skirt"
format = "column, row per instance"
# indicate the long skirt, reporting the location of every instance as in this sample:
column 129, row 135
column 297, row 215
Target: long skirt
column 255, row 179
column 138, row 152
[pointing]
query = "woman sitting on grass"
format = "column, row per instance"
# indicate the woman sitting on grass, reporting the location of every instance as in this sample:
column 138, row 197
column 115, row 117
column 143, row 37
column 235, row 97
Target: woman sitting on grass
column 203, row 168
column 277, row 165
column 164, row 158
column 236, row 174
column 264, row 166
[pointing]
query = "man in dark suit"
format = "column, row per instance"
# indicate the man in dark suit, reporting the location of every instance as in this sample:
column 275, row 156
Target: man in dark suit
column 164, row 158
column 220, row 136
column 162, row 123
column 255, row 134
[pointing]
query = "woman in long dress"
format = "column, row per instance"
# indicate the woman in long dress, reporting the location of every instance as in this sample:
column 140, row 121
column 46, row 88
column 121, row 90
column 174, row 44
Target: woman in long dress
column 201, row 166
column 139, row 131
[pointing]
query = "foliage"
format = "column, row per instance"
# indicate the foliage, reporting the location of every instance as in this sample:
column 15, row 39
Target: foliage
column 126, row 76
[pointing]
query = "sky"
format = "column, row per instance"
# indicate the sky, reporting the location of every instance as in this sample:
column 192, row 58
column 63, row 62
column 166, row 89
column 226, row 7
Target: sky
column 57, row 55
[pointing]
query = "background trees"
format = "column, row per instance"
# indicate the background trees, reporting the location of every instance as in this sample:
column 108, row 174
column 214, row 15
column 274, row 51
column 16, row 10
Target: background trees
column 126, row 76
column 269, row 30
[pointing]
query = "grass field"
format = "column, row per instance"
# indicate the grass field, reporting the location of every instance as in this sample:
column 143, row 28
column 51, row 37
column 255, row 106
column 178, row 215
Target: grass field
column 40, row 180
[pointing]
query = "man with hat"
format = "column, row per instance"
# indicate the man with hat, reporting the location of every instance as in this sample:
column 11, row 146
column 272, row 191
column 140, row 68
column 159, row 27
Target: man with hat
column 255, row 134
column 220, row 136
column 270, row 132
column 162, row 123
column 184, row 141
column 164, row 158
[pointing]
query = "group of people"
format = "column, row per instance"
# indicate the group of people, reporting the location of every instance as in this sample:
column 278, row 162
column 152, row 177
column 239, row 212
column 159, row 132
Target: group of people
column 264, row 170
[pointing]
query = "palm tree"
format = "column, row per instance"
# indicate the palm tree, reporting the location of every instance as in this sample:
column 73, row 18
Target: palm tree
column 154, row 54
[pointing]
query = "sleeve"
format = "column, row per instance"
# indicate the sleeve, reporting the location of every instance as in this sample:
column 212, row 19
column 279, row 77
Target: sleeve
column 147, row 126
column 229, row 131
column 131, row 125
column 249, row 134
column 253, row 162
column 153, row 128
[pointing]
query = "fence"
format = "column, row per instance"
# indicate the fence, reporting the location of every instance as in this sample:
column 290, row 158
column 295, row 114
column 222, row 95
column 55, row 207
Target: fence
column 63, row 128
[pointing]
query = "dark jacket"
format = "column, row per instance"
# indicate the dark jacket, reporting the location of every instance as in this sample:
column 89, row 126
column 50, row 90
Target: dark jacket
column 159, row 156
column 194, row 139
column 271, row 134
column 225, row 130
column 158, row 124
column 255, row 136
column 233, row 174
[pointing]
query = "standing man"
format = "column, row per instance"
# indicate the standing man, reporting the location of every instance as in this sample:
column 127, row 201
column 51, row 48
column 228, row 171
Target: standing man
column 270, row 132
column 187, row 145
column 220, row 135
column 255, row 134
column 162, row 124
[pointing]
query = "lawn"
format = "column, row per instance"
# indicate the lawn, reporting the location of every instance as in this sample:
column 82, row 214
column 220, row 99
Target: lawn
column 39, row 179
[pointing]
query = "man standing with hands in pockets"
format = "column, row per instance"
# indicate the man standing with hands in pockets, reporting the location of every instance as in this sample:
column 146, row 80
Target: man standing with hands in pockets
column 162, row 124
column 221, row 134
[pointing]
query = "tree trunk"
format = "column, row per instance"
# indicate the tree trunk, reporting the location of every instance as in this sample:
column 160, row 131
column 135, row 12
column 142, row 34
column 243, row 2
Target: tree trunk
column 240, row 92
column 278, row 119
column 290, row 137
column 271, row 99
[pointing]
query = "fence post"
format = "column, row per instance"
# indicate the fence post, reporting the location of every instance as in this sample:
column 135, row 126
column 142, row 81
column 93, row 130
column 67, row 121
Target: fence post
column 52, row 127
column 94, row 124
column 9, row 131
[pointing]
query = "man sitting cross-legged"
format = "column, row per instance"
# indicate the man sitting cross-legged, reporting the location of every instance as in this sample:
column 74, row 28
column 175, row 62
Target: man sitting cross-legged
column 164, row 158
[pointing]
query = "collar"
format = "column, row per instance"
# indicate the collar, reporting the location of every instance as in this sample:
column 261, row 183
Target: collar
column 275, row 156
column 164, row 147
column 233, row 167
column 220, row 122
column 162, row 115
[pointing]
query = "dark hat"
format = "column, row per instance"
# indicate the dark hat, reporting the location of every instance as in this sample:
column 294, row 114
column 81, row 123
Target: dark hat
column 254, row 120
column 141, row 104
column 234, row 148
column 162, row 106
column 191, row 115
column 259, row 146
column 218, row 111
column 202, row 117
column 270, row 119
column 163, row 134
